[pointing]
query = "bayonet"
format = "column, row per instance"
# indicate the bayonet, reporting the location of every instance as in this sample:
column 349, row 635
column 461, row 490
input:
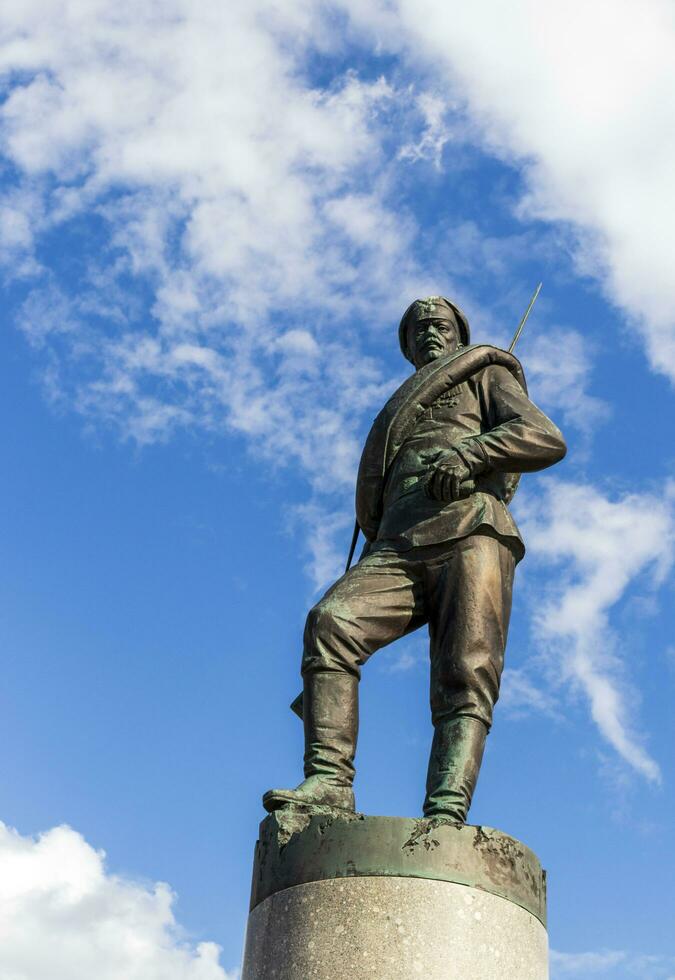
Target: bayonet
column 524, row 318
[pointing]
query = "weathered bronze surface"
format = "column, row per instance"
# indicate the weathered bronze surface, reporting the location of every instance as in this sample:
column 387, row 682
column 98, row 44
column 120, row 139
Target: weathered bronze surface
column 441, row 462
column 296, row 847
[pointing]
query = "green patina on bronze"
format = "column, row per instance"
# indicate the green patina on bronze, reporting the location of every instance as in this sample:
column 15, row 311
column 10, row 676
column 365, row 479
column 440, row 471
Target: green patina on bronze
column 296, row 847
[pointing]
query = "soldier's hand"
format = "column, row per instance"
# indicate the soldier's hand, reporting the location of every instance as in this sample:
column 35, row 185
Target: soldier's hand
column 445, row 480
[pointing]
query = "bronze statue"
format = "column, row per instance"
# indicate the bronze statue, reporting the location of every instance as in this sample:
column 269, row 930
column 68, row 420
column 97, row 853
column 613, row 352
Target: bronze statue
column 441, row 463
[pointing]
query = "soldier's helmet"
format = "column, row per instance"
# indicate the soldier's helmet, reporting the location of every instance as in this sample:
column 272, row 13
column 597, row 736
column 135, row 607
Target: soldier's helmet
column 431, row 306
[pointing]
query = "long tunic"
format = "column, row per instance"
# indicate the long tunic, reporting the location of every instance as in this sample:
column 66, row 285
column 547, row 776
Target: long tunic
column 497, row 430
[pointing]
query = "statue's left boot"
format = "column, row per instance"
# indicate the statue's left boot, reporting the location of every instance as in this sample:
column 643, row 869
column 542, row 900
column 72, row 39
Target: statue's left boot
column 454, row 764
column 330, row 714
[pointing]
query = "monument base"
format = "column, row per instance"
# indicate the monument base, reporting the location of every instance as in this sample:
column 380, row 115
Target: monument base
column 353, row 897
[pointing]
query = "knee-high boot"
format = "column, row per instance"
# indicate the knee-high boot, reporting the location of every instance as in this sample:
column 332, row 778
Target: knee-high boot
column 454, row 763
column 330, row 714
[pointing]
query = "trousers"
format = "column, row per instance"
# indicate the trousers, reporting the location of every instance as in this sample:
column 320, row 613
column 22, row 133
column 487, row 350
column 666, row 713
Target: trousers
column 461, row 589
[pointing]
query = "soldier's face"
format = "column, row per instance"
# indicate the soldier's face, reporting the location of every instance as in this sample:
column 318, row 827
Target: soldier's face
column 431, row 337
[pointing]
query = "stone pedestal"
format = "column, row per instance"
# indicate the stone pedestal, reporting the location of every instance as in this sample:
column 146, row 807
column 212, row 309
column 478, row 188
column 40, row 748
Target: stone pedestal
column 353, row 897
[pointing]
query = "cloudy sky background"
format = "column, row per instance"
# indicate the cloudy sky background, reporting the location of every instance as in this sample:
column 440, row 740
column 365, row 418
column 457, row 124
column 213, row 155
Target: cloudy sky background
column 211, row 218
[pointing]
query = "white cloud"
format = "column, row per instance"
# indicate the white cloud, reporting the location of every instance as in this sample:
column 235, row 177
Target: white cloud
column 226, row 156
column 597, row 548
column 585, row 964
column 613, row 964
column 64, row 916
column 436, row 133
column 406, row 654
column 327, row 538
column 579, row 96
column 559, row 366
column 214, row 179
column 400, row 662
column 21, row 215
column 521, row 695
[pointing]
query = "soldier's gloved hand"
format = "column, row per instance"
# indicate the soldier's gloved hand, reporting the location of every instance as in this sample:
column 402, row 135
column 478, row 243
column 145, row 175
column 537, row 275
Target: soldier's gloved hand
column 445, row 480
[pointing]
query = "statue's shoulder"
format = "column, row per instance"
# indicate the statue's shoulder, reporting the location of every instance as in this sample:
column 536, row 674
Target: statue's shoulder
column 482, row 359
column 495, row 373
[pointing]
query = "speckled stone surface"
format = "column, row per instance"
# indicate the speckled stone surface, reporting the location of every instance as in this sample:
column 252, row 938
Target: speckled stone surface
column 392, row 928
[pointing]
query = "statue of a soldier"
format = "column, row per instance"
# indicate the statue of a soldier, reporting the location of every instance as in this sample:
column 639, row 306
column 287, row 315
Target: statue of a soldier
column 440, row 464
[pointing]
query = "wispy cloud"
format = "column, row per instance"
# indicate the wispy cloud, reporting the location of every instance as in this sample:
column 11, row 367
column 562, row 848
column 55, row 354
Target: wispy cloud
column 246, row 246
column 327, row 537
column 436, row 133
column 405, row 655
column 585, row 964
column 521, row 695
column 559, row 369
column 612, row 964
column 63, row 915
column 596, row 548
column 401, row 661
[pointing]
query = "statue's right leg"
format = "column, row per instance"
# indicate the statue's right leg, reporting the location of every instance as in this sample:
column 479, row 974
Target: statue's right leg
column 377, row 601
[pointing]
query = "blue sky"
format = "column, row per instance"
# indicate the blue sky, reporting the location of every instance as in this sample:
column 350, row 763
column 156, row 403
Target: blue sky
column 210, row 223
